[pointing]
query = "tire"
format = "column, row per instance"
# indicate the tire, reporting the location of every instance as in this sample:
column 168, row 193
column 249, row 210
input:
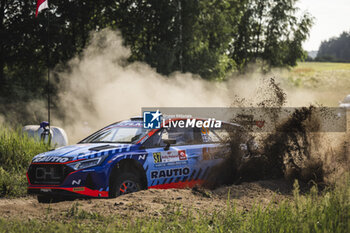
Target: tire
column 124, row 183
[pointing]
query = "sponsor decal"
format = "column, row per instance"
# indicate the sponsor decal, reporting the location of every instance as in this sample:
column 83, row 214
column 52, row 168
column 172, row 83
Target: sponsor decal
column 74, row 182
column 129, row 124
column 169, row 173
column 157, row 157
column 142, row 157
column 51, row 159
column 182, row 155
column 206, row 138
column 169, row 156
column 84, row 156
column 171, row 164
column 205, row 134
column 43, row 173
column 204, row 130
column 89, row 170
column 45, row 190
column 79, row 189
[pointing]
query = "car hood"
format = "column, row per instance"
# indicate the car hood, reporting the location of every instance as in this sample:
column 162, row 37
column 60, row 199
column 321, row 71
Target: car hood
column 82, row 151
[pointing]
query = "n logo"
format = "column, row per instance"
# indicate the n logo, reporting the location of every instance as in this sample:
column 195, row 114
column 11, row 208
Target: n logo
column 74, row 182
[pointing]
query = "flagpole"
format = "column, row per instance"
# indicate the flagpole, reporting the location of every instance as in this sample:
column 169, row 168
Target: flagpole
column 48, row 68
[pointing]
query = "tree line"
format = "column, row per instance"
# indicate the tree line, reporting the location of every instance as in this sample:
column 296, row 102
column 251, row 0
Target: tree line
column 207, row 37
column 336, row 49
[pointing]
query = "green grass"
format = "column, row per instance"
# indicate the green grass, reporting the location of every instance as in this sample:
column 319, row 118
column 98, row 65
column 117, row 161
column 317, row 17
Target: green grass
column 16, row 152
column 320, row 76
column 328, row 83
column 328, row 211
column 323, row 66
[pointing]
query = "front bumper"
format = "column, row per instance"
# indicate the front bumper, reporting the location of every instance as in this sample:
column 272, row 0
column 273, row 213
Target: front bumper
column 44, row 180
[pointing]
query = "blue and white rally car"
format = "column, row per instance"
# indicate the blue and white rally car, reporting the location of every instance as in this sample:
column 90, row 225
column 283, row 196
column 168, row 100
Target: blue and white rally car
column 125, row 157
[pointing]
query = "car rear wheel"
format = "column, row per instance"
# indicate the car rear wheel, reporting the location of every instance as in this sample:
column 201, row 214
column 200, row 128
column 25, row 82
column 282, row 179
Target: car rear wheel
column 125, row 183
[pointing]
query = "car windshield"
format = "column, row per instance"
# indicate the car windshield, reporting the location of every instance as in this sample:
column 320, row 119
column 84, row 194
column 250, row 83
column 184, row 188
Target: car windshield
column 117, row 134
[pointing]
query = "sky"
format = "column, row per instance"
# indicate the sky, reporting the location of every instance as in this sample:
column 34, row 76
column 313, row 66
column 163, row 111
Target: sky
column 332, row 17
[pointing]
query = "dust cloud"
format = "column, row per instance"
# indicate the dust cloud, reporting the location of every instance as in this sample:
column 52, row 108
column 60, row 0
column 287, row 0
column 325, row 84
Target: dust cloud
column 100, row 87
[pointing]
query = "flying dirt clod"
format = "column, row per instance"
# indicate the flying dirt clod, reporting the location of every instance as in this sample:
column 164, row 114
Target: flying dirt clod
column 292, row 150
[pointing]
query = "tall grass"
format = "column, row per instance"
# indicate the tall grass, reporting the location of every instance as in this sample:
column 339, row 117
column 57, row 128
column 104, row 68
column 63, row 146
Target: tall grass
column 16, row 152
column 328, row 211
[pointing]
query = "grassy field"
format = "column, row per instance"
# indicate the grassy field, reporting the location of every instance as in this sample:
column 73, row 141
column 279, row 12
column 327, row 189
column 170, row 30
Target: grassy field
column 322, row 66
column 16, row 152
column 328, row 211
column 328, row 82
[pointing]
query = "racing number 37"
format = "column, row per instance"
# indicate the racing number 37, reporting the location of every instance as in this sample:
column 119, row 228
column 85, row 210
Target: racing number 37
column 157, row 157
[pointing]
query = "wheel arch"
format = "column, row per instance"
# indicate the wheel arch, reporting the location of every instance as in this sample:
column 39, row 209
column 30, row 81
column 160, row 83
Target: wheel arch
column 130, row 165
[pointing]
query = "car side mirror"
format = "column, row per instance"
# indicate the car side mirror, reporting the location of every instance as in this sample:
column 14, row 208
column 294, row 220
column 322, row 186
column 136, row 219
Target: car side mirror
column 168, row 142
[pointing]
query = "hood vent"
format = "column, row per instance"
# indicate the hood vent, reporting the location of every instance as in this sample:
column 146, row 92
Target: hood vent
column 104, row 147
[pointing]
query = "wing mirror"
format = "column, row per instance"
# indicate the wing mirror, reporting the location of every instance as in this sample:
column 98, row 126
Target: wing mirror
column 168, row 142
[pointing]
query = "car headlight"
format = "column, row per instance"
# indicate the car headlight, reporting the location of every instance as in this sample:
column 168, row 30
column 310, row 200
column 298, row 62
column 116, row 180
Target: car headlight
column 86, row 163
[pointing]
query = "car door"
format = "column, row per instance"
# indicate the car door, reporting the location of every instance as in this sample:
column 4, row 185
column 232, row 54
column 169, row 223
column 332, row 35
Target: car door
column 211, row 150
column 173, row 166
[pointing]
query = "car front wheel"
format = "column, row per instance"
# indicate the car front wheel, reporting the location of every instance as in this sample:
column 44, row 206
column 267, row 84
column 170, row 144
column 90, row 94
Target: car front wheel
column 125, row 183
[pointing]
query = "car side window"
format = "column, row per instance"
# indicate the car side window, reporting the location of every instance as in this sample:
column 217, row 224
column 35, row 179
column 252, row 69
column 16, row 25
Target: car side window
column 183, row 136
column 155, row 140
column 210, row 135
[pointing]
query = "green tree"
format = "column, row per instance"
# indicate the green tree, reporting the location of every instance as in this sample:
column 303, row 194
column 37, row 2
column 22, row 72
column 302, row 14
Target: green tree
column 270, row 31
column 208, row 37
column 21, row 56
column 335, row 49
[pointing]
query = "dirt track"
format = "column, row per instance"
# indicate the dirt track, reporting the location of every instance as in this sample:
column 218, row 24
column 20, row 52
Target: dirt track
column 153, row 202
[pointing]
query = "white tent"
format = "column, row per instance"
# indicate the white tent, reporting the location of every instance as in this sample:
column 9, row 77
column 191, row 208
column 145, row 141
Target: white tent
column 59, row 136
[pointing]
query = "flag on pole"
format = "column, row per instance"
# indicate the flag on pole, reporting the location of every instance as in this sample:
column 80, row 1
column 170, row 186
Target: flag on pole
column 41, row 5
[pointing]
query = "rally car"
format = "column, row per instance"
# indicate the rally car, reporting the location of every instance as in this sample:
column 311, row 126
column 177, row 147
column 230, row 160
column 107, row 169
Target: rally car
column 125, row 157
